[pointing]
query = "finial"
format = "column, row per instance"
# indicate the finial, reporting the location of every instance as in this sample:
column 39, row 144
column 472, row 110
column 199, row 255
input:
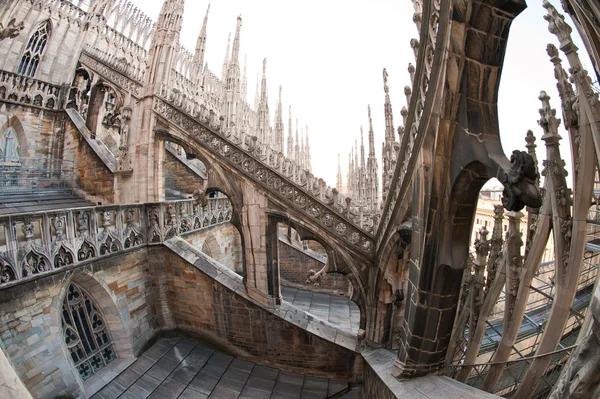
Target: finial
column 264, row 66
column 385, row 81
column 552, row 52
column 548, row 120
column 530, row 140
column 557, row 24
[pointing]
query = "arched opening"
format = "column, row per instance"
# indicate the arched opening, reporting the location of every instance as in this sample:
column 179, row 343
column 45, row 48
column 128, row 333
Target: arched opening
column 103, row 117
column 34, row 50
column 79, row 97
column 183, row 173
column 208, row 246
column 309, row 282
column 85, row 333
column 93, row 291
column 215, row 233
column 10, row 160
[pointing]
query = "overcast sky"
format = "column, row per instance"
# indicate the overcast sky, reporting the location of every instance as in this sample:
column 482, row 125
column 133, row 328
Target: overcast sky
column 329, row 56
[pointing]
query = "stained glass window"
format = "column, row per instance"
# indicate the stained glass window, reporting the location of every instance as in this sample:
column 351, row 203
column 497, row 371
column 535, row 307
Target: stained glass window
column 85, row 333
column 35, row 48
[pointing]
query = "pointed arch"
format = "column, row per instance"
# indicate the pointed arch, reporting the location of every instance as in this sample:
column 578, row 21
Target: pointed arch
column 13, row 130
column 34, row 50
column 85, row 332
column 212, row 248
column 118, row 337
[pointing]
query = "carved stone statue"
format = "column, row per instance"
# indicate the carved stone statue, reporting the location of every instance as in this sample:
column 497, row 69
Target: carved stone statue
column 519, row 182
column 12, row 30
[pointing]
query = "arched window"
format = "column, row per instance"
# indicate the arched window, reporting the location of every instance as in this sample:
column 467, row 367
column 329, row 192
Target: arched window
column 34, row 50
column 9, row 147
column 85, row 333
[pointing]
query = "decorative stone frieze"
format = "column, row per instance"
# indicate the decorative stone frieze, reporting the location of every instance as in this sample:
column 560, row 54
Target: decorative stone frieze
column 303, row 196
column 48, row 241
column 28, row 91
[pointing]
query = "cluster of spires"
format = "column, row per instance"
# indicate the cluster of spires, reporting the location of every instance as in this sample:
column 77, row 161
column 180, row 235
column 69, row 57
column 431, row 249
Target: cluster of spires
column 362, row 179
column 229, row 93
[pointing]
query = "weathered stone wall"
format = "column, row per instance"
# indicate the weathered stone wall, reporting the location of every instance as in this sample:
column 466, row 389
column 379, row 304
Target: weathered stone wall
column 222, row 243
column 295, row 264
column 199, row 305
column 92, row 175
column 31, row 328
column 179, row 177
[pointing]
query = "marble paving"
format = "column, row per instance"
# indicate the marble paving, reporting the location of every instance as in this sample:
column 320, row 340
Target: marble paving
column 339, row 310
column 178, row 368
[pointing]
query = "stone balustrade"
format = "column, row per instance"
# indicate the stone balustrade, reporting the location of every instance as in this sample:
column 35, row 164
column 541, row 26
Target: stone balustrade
column 42, row 243
column 20, row 89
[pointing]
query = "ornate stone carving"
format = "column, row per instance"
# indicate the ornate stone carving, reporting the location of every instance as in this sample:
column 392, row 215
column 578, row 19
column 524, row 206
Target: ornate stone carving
column 82, row 224
column 86, row 251
column 64, row 257
column 557, row 24
column 59, row 223
column 34, row 263
column 28, row 229
column 302, row 194
column 27, row 91
column 520, row 188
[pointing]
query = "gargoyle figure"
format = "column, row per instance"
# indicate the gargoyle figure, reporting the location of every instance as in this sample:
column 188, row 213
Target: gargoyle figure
column 12, row 30
column 519, row 183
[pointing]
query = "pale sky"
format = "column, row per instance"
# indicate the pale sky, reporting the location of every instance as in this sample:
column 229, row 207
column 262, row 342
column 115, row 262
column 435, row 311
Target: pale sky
column 329, row 56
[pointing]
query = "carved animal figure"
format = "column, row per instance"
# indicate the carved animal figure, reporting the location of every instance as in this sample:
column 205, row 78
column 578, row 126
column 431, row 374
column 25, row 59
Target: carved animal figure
column 520, row 189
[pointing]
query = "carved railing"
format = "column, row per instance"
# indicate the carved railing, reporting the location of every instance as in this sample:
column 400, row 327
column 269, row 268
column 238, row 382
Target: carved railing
column 42, row 243
column 430, row 55
column 272, row 172
column 196, row 106
column 20, row 89
column 111, row 73
column 129, row 21
column 71, row 10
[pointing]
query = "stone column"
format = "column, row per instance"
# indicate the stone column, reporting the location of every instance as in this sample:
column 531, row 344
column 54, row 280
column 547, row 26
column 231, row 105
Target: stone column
column 273, row 284
column 514, row 263
column 254, row 222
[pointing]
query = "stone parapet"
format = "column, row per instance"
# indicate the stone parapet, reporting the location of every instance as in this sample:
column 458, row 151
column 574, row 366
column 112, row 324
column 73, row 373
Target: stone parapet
column 37, row 244
column 379, row 382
